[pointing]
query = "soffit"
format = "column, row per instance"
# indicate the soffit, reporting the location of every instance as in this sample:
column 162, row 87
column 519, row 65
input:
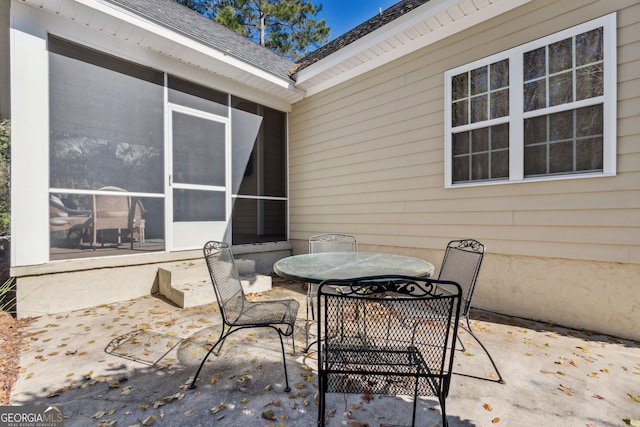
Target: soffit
column 157, row 36
column 425, row 25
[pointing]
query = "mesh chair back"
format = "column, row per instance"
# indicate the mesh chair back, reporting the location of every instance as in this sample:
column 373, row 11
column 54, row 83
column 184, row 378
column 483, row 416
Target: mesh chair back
column 461, row 264
column 225, row 279
column 332, row 243
column 387, row 335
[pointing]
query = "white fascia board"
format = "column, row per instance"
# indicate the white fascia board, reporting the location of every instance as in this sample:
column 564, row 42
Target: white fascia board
column 159, row 30
column 421, row 14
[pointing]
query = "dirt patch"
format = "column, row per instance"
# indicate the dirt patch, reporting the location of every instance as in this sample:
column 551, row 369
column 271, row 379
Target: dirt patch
column 10, row 344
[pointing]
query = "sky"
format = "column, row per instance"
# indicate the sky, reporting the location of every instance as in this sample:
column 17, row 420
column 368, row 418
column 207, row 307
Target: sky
column 345, row 15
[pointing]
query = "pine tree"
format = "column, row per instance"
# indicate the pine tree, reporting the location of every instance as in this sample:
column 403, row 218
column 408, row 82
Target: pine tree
column 287, row 27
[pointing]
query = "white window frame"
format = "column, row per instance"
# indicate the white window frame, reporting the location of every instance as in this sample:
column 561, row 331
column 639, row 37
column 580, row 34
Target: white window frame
column 516, row 115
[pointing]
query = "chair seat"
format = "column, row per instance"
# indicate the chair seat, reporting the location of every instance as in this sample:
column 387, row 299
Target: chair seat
column 278, row 312
column 238, row 312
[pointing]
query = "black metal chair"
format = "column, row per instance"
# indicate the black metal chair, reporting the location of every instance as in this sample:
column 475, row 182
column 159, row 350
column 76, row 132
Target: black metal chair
column 238, row 312
column 392, row 335
column 461, row 264
column 321, row 243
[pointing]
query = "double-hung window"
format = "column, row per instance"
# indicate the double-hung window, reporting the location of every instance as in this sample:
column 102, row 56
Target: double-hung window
column 543, row 110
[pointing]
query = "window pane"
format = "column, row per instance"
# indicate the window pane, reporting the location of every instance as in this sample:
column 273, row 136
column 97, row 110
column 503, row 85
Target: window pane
column 589, row 82
column 500, row 164
column 256, row 221
column 461, row 171
column 535, row 160
column 119, row 220
column 499, row 137
column 500, row 74
column 589, row 154
column 461, row 143
column 480, row 140
column 106, row 121
column 535, row 95
column 534, row 64
column 460, row 86
column 561, row 126
column 195, row 205
column 561, row 157
column 560, row 56
column 460, row 113
column 560, row 89
column 589, row 47
column 589, row 121
column 535, row 130
column 196, row 96
column 480, row 166
column 479, row 81
column 259, row 149
column 479, row 109
column 500, row 103
column 198, row 150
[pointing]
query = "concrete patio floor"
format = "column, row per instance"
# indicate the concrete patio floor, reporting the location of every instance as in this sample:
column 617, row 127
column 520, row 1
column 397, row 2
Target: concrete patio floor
column 554, row 376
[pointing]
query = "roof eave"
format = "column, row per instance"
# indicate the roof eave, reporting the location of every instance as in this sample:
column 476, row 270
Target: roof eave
column 182, row 47
column 331, row 70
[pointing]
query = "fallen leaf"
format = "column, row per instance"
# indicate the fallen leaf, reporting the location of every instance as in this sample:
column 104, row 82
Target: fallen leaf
column 189, row 412
column 495, row 420
column 268, row 415
column 634, row 397
column 566, row 390
column 149, row 420
column 634, row 423
column 487, row 407
column 98, row 414
column 218, row 408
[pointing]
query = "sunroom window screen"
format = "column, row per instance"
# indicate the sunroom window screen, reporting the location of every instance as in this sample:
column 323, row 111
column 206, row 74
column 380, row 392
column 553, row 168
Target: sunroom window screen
column 106, row 121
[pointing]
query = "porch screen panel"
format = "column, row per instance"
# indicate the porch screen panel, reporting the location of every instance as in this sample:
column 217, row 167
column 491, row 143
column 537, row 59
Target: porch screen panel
column 259, row 156
column 106, row 121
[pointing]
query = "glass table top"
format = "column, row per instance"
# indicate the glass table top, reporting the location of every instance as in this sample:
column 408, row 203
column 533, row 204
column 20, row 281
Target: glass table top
column 317, row 267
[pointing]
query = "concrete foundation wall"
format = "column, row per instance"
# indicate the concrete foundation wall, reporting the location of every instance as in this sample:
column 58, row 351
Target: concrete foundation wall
column 79, row 284
column 578, row 294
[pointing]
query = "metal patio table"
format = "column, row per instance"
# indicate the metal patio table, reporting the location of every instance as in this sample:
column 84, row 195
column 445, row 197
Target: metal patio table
column 314, row 268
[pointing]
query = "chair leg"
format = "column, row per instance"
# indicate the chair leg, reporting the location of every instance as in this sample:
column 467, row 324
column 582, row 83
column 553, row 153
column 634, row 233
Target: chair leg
column 313, row 317
column 321, row 399
column 220, row 341
column 468, row 329
column 445, row 422
column 284, row 361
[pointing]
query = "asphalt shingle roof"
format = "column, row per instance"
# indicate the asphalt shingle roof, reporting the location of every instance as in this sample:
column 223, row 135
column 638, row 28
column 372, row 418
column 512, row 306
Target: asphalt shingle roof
column 388, row 15
column 190, row 23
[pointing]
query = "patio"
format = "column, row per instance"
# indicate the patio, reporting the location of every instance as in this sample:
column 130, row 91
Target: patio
column 554, row 376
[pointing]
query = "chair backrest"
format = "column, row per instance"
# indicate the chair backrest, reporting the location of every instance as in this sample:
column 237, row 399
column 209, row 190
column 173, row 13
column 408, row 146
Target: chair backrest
column 111, row 211
column 332, row 242
column 225, row 279
column 388, row 316
column 461, row 264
